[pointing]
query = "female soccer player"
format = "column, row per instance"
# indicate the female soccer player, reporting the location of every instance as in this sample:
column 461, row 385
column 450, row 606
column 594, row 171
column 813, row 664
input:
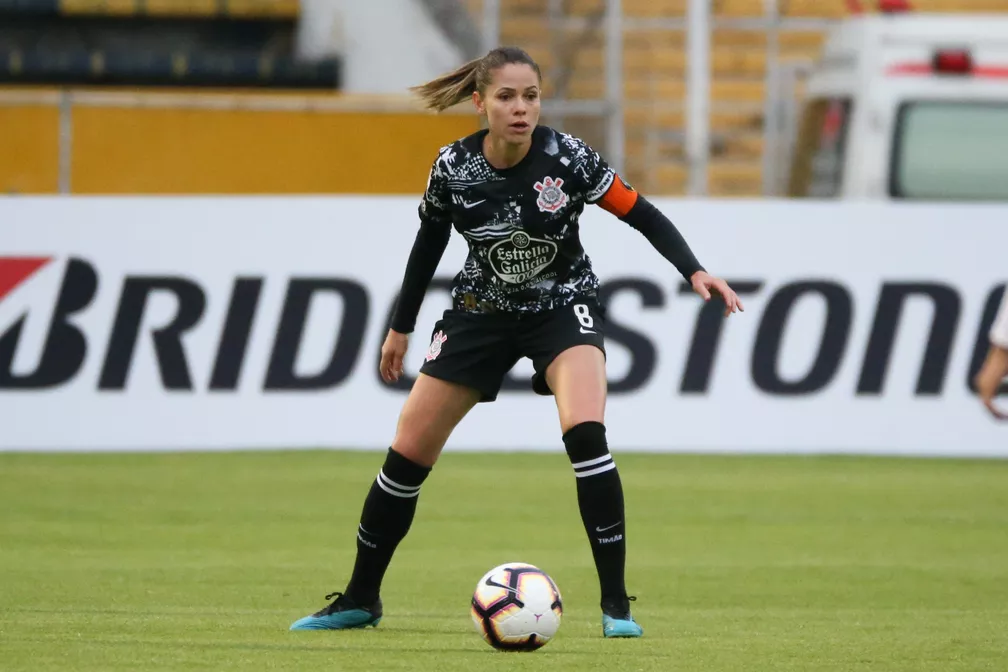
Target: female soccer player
column 515, row 191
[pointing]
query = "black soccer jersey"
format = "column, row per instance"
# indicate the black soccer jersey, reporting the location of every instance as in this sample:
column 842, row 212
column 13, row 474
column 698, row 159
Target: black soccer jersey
column 521, row 223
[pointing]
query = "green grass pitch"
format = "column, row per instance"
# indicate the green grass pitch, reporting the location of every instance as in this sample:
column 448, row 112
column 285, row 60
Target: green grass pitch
column 202, row 561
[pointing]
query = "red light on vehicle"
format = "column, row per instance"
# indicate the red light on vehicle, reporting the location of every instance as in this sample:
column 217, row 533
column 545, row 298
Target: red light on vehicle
column 894, row 6
column 955, row 62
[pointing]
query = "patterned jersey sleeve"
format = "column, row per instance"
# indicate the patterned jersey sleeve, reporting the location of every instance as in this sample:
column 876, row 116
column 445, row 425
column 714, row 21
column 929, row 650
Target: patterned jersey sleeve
column 592, row 170
column 434, row 205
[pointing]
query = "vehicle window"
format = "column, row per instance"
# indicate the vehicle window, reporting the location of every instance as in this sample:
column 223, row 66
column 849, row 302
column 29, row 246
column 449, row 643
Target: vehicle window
column 950, row 151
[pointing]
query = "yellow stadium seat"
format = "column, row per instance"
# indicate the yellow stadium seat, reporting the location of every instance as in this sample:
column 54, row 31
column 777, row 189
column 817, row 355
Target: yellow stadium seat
column 735, row 178
column 654, row 8
column 666, row 178
column 510, row 8
column 820, row 9
column 585, row 7
column 670, row 178
column 791, row 40
column 737, row 62
column 525, row 32
column 111, row 7
column 287, row 9
column 653, row 37
column 740, row 146
column 739, row 8
column 724, row 178
column 637, row 117
column 588, row 58
column 195, row 8
column 636, row 147
column 661, row 89
column 673, row 60
column 744, row 90
column 669, row 142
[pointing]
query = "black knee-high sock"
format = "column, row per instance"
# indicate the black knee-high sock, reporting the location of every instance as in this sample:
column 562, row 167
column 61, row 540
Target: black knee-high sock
column 600, row 498
column 385, row 520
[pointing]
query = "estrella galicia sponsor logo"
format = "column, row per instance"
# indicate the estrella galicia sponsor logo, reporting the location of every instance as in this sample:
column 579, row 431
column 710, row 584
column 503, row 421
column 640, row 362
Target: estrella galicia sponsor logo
column 521, row 257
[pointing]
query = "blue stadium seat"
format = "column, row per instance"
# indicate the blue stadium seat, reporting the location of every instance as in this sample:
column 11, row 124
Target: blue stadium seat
column 29, row 6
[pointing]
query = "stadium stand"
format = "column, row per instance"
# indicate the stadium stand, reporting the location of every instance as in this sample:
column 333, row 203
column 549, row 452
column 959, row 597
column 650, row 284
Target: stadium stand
column 654, row 61
column 219, row 43
column 191, row 96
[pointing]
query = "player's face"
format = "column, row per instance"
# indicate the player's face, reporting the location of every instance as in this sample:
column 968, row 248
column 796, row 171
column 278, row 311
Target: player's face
column 511, row 103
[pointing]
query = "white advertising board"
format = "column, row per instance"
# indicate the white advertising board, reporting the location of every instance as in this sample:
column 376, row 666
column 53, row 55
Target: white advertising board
column 219, row 323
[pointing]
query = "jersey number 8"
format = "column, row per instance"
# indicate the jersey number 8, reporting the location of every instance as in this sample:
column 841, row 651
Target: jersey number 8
column 583, row 315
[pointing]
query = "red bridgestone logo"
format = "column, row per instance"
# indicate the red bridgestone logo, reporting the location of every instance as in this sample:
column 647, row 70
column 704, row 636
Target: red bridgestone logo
column 15, row 270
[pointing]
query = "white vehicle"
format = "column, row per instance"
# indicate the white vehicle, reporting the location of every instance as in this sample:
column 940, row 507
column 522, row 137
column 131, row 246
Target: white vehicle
column 907, row 107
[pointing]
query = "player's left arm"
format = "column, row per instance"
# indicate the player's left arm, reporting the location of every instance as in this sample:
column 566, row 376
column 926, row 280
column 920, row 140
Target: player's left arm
column 995, row 366
column 608, row 190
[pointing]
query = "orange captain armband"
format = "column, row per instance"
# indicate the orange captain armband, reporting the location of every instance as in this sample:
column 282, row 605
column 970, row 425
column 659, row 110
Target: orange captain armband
column 619, row 198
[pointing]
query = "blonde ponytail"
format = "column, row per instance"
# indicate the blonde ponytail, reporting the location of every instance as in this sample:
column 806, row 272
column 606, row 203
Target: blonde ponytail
column 454, row 87
column 449, row 89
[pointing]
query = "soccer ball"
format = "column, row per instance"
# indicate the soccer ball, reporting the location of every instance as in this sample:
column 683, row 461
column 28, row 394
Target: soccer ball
column 516, row 607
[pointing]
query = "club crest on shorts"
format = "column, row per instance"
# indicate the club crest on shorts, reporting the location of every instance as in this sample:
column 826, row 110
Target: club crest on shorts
column 435, row 345
column 551, row 196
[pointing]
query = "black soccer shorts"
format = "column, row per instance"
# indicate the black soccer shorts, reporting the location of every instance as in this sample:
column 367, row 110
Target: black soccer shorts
column 478, row 349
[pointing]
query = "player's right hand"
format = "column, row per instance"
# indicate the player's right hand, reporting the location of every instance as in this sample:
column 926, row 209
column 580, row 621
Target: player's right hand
column 987, row 382
column 393, row 352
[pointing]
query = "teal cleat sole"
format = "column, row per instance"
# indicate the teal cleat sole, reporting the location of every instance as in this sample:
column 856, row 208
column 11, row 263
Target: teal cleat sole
column 612, row 627
column 344, row 620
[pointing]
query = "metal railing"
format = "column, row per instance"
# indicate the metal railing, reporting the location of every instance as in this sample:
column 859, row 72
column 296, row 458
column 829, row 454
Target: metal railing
column 779, row 107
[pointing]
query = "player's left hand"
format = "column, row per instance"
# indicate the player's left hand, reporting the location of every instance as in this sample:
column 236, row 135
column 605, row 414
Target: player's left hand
column 704, row 283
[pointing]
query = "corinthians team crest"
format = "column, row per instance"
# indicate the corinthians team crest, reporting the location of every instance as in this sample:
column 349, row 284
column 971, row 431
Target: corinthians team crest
column 435, row 346
column 551, row 196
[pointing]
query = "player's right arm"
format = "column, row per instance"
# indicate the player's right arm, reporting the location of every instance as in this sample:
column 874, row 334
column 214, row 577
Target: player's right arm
column 995, row 366
column 428, row 248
